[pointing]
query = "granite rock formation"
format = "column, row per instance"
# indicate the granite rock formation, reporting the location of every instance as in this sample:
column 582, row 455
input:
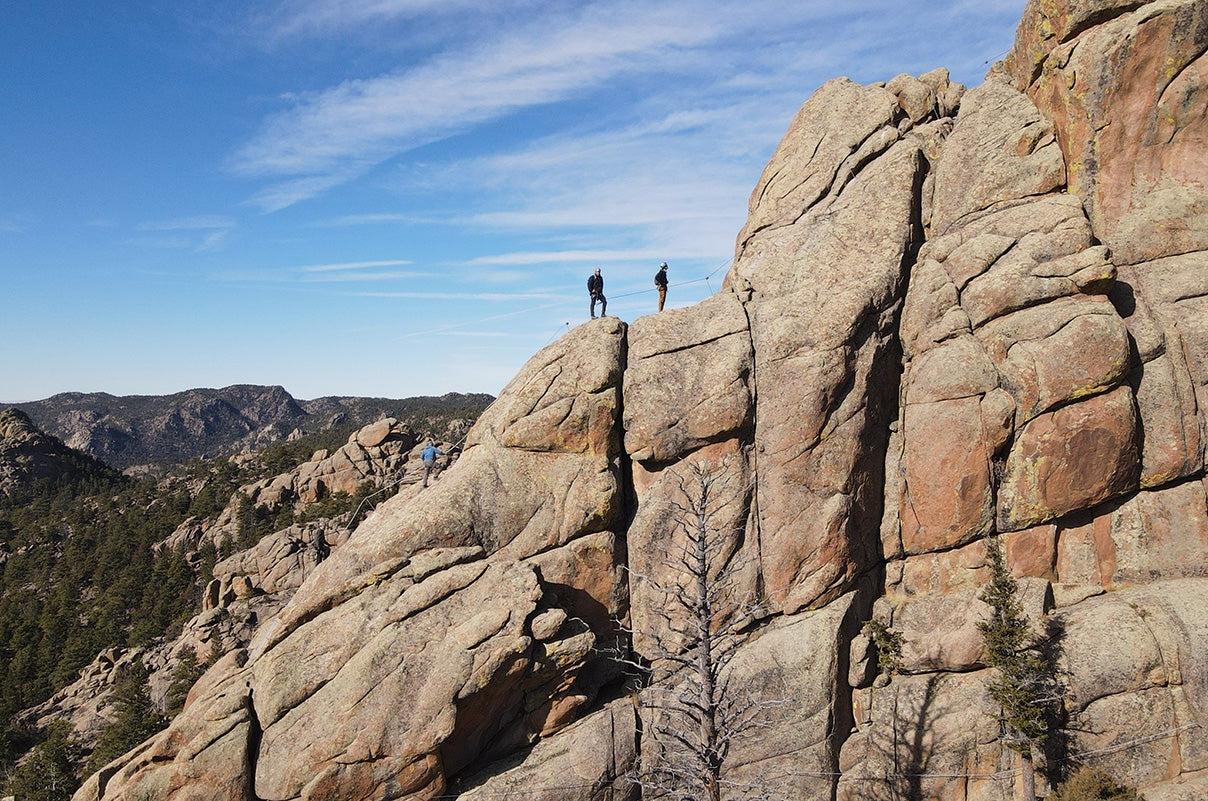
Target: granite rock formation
column 29, row 456
column 951, row 315
column 250, row 586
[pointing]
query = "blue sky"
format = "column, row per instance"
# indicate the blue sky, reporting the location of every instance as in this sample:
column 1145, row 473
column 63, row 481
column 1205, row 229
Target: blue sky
column 392, row 197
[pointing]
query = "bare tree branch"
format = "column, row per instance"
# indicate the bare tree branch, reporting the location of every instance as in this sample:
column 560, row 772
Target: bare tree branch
column 697, row 613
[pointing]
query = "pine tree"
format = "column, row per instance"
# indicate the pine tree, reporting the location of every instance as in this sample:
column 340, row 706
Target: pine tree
column 1025, row 688
column 136, row 718
column 184, row 676
column 888, row 643
column 49, row 772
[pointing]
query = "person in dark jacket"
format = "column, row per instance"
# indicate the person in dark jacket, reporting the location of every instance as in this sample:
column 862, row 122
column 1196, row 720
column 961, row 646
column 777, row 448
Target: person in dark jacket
column 660, row 281
column 595, row 288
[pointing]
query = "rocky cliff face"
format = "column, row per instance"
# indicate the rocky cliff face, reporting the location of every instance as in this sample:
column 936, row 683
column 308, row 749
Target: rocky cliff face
column 951, row 315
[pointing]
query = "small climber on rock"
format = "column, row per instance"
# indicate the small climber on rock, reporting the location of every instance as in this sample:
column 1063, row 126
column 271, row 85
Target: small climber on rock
column 428, row 455
column 595, row 288
column 318, row 541
column 660, row 281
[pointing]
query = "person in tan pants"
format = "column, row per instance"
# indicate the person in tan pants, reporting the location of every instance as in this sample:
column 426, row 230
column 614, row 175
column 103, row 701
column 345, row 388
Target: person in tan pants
column 660, row 281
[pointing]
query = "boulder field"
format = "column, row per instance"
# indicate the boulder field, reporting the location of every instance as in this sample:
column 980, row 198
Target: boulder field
column 951, row 315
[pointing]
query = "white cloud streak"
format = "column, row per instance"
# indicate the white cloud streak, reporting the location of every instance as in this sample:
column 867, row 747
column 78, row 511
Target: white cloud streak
column 299, row 19
column 392, row 275
column 215, row 240
column 334, row 272
column 335, row 135
column 377, row 218
column 490, row 297
column 353, row 265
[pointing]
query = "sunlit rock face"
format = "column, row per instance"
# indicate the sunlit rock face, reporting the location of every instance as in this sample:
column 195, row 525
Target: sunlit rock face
column 951, row 315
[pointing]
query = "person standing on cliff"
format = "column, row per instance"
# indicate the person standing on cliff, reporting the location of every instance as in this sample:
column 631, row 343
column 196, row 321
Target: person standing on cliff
column 595, row 288
column 660, row 281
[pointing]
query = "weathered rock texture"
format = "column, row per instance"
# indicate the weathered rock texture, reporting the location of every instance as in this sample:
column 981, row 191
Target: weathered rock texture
column 28, row 457
column 951, row 315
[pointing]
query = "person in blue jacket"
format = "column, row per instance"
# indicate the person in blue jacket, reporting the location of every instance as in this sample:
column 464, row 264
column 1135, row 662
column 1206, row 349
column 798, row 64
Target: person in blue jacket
column 428, row 455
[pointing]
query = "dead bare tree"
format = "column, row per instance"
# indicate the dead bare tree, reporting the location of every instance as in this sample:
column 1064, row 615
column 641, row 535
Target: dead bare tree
column 700, row 599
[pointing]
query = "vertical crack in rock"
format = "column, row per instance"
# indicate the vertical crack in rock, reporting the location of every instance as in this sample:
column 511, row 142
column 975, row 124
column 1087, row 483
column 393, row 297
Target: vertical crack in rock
column 252, row 754
column 753, row 527
column 628, row 492
column 889, row 399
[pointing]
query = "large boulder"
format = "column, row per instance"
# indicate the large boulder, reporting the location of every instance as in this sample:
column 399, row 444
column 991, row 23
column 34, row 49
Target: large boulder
column 1013, row 410
column 1002, row 150
column 591, row 760
column 689, row 379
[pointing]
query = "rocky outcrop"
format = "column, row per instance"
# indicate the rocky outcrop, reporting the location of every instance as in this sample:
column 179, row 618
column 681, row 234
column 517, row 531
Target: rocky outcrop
column 29, row 457
column 84, row 704
column 1135, row 693
column 250, row 586
column 946, row 320
column 380, row 459
column 821, row 268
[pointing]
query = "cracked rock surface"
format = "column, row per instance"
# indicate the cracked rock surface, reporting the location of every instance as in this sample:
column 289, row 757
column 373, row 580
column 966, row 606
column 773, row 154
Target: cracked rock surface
column 951, row 315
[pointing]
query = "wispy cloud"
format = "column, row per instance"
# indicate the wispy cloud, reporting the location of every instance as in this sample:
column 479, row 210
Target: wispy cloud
column 306, row 18
column 488, row 334
column 10, row 226
column 201, row 222
column 563, row 256
column 352, row 265
column 329, row 273
column 490, row 297
column 286, row 193
column 215, row 240
column 536, row 54
column 392, row 275
column 332, row 136
column 375, row 218
column 202, row 233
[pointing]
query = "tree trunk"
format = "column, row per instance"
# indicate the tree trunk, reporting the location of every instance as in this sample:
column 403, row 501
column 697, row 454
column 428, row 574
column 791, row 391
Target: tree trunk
column 704, row 656
column 1025, row 781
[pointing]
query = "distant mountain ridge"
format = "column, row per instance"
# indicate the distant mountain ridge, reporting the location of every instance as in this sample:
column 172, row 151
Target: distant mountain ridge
column 129, row 430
